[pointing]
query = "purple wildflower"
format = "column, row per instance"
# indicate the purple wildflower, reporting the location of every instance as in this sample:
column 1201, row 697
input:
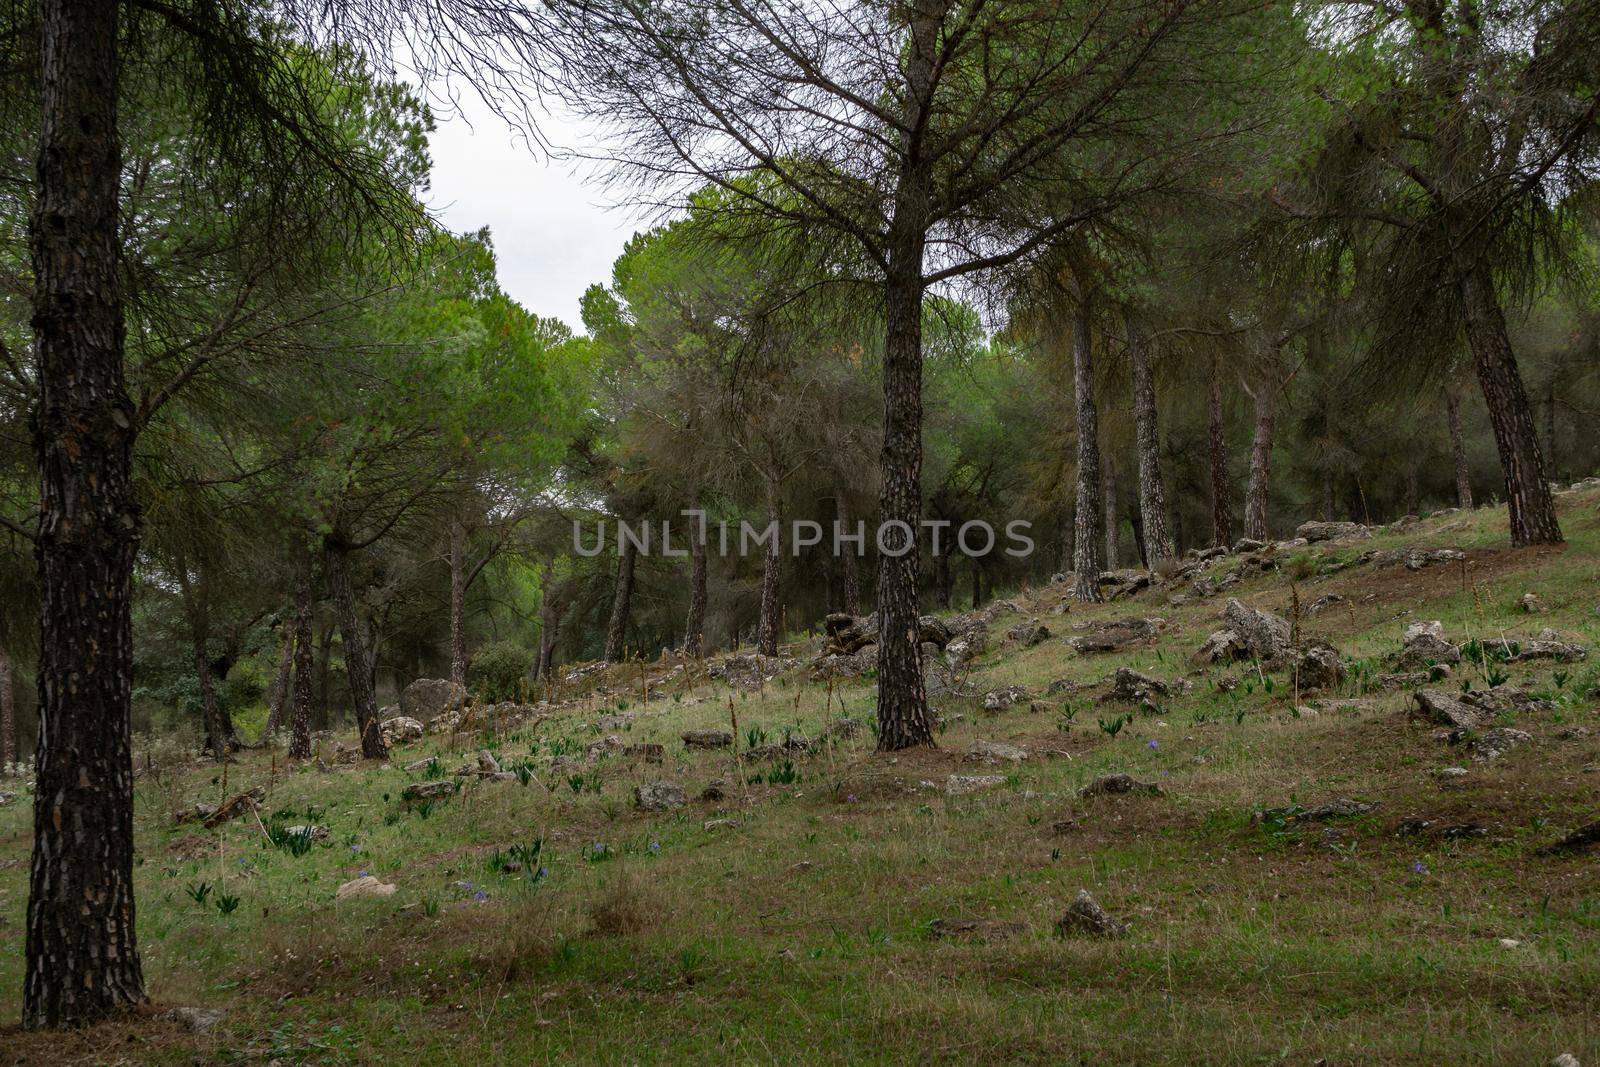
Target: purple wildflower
column 1419, row 868
column 1153, row 744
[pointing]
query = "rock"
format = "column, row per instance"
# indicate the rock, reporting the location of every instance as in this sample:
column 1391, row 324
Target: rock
column 1129, row 686
column 1118, row 584
column 429, row 790
column 994, row 752
column 365, row 886
column 1118, row 784
column 705, row 739
column 1247, row 544
column 1566, row 1059
column 429, row 698
column 1331, row 531
column 1114, row 635
column 1424, row 645
column 719, row 824
column 833, row 665
column 931, row 630
column 659, row 796
column 1413, row 559
column 999, row 608
column 1204, row 587
column 965, row 648
column 420, row 764
column 1318, row 666
column 310, row 833
column 196, row 1020
column 487, row 764
column 1581, row 839
column 1531, row 603
column 1450, row 775
column 1085, row 916
column 1065, row 685
column 1342, row 808
column 1547, row 645
column 1435, row 705
column 1265, row 635
column 975, row 929
column 1323, row 603
column 1223, row 646
column 649, row 752
column 713, row 791
column 1497, row 742
column 231, row 809
column 400, row 730
column 960, row 785
column 611, row 723
column 1029, row 634
column 996, row 699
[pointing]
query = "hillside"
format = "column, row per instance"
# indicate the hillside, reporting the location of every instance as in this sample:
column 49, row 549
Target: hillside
column 1336, row 876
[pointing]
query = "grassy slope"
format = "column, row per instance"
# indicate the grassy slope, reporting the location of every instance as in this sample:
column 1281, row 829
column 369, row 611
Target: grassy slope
column 801, row 934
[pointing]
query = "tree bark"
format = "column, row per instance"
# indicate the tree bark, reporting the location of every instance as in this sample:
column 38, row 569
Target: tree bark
column 1257, row 494
column 848, row 561
column 694, row 631
column 941, row 570
column 217, row 740
column 1532, row 509
column 458, row 602
column 357, row 662
column 8, row 714
column 621, row 601
column 1458, row 447
column 768, row 626
column 977, row 582
column 1088, row 549
column 304, row 664
column 82, row 959
column 1156, row 538
column 1221, row 487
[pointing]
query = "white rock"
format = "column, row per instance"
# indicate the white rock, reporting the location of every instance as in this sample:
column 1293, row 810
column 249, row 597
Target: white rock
column 365, row 886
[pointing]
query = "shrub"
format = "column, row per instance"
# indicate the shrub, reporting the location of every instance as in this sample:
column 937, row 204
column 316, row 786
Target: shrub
column 499, row 671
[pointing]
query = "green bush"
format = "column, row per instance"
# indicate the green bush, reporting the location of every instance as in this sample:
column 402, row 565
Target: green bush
column 499, row 671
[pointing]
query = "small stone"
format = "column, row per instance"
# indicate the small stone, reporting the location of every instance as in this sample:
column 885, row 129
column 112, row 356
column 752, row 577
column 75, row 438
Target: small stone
column 1450, row 774
column 1531, row 603
column 429, row 790
column 1085, row 916
column 997, row 699
column 487, row 764
column 995, row 752
column 365, row 886
column 719, row 824
column 659, row 796
column 197, row 1020
column 1566, row 1059
column 1510, row 942
column 1117, row 784
column 960, row 785
column 705, row 739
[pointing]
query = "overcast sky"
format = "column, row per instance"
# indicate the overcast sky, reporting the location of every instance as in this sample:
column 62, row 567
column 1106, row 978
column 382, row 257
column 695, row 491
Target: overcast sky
column 553, row 235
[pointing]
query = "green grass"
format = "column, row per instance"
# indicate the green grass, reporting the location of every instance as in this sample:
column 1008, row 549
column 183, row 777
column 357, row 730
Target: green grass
column 801, row 934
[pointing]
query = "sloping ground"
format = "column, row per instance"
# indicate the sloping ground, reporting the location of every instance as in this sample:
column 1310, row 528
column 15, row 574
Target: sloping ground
column 790, row 910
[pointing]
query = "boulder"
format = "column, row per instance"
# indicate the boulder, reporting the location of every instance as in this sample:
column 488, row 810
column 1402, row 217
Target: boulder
column 1085, row 916
column 429, row 790
column 429, row 698
column 1117, row 584
column 195, row 1020
column 1435, row 705
column 1029, row 633
column 1493, row 744
column 1319, row 666
column 704, row 739
column 1129, row 686
column 1114, row 635
column 1265, row 635
column 659, row 796
column 365, row 886
column 1118, row 785
column 965, row 648
column 834, row 665
column 1247, row 544
column 994, row 752
column 1331, row 531
column 932, row 630
column 996, row 699
column 1423, row 646
column 400, row 730
column 1548, row 645
column 487, row 764
column 1223, row 646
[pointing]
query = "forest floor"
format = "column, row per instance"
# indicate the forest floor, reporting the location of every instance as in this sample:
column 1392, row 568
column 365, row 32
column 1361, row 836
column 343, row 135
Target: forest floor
column 795, row 919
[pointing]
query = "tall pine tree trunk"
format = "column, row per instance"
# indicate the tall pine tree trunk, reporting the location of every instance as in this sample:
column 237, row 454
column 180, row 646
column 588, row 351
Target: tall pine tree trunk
column 621, row 601
column 304, row 663
column 1458, row 446
column 694, row 630
column 1532, row 510
column 1257, row 494
column 1157, row 539
column 768, row 626
column 458, row 602
column 357, row 661
column 1088, row 551
column 848, row 560
column 1221, row 487
column 1108, row 468
column 82, row 958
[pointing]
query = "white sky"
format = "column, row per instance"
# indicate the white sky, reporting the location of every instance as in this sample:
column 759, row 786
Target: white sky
column 554, row 236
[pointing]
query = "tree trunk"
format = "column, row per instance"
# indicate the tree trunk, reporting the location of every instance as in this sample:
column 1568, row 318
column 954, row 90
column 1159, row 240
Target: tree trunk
column 458, row 602
column 1256, row 495
column 8, row 714
column 1458, row 447
column 1532, row 510
column 82, row 955
column 1156, row 538
column 941, row 570
column 1413, row 489
column 1552, row 459
column 848, row 561
column 304, row 664
column 621, row 601
column 903, row 719
column 216, row 734
column 977, row 583
column 768, row 626
column 357, row 663
column 1088, row 549
column 282, row 678
column 1221, row 488
column 1327, row 495
column 1113, row 523
column 694, row 632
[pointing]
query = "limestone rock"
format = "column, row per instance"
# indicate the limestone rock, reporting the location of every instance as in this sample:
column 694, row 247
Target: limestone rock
column 960, row 785
column 994, row 752
column 1314, row 532
column 429, row 790
column 365, row 886
column 428, row 698
column 1114, row 635
column 400, row 730
column 1085, row 916
column 706, row 739
column 1119, row 784
column 659, row 796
